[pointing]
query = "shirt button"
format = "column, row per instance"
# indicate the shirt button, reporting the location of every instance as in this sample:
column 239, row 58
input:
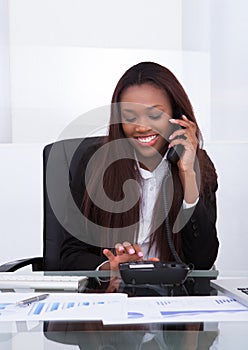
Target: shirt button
column 151, row 188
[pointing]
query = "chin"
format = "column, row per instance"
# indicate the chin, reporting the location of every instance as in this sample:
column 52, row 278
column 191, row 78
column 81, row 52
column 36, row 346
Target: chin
column 148, row 153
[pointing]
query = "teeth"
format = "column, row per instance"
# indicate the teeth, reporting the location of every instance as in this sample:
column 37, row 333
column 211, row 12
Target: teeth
column 147, row 139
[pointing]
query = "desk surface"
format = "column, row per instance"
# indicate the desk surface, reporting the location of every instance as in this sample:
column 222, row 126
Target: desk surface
column 93, row 335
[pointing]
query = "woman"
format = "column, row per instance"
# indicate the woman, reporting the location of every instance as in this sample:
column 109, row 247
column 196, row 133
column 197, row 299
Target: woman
column 150, row 115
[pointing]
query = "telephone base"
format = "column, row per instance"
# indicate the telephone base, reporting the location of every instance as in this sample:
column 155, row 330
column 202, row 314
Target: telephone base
column 150, row 272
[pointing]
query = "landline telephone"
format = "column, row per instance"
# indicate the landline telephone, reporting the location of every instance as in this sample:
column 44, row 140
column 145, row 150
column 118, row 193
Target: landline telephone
column 168, row 273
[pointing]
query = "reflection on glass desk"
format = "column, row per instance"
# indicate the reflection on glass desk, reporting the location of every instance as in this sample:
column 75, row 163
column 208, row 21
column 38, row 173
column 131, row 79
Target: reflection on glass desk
column 94, row 335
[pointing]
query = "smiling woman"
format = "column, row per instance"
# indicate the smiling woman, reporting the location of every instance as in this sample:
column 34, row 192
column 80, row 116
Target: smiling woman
column 150, row 114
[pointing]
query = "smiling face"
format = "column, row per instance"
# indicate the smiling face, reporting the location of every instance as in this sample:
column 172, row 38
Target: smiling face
column 145, row 114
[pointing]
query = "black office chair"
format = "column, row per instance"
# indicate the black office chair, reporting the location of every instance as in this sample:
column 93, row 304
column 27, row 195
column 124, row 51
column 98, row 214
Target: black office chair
column 65, row 157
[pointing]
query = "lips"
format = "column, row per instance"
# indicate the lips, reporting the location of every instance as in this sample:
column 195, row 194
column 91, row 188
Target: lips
column 148, row 140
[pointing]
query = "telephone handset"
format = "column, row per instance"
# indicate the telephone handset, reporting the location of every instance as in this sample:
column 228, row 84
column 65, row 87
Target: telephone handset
column 175, row 152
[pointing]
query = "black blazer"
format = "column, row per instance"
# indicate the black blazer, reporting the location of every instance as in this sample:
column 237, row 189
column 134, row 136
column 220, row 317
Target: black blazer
column 199, row 237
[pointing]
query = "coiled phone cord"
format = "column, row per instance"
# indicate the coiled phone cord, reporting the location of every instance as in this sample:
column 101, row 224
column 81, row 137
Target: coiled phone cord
column 167, row 222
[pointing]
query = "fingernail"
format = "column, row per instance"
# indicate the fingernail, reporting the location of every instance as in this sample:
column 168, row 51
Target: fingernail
column 131, row 251
column 172, row 120
column 140, row 254
column 170, row 137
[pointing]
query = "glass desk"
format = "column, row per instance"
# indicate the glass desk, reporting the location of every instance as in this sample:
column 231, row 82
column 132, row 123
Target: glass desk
column 90, row 335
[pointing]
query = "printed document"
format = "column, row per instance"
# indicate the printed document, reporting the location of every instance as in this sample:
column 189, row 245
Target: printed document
column 117, row 308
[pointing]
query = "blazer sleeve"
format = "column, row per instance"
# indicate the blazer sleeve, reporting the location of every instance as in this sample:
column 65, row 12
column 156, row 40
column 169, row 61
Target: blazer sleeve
column 199, row 236
column 78, row 255
column 77, row 252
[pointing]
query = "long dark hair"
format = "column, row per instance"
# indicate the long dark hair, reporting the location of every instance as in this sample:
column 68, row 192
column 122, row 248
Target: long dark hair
column 125, row 167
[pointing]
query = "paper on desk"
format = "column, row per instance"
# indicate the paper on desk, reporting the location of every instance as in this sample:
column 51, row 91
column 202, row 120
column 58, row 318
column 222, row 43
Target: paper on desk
column 182, row 309
column 64, row 306
column 116, row 308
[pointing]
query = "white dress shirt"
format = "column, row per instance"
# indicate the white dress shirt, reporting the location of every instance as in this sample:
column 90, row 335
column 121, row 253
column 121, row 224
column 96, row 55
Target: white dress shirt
column 151, row 183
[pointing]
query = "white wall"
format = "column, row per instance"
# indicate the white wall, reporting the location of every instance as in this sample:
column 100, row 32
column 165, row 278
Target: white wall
column 218, row 28
column 5, row 113
column 21, row 201
column 229, row 54
column 64, row 58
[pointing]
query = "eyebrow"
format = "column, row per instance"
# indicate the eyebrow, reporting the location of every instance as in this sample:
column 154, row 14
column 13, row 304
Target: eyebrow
column 153, row 107
column 148, row 108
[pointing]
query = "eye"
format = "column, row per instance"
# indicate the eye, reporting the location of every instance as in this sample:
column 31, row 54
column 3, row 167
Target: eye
column 155, row 117
column 129, row 119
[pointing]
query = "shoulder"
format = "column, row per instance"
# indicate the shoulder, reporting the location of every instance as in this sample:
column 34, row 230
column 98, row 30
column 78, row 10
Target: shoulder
column 204, row 160
column 209, row 178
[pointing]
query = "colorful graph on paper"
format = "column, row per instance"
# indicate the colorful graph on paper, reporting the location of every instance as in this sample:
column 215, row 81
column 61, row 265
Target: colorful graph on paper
column 69, row 306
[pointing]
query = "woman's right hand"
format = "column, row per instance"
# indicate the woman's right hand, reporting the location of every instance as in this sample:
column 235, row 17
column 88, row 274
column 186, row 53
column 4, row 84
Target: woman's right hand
column 124, row 252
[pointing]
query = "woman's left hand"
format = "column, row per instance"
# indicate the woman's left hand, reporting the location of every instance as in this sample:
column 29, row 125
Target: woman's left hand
column 189, row 141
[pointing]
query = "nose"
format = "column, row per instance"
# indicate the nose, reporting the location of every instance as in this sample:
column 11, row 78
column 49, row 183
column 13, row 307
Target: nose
column 141, row 128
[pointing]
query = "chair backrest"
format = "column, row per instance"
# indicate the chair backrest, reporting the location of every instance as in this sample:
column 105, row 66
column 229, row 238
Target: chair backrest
column 62, row 157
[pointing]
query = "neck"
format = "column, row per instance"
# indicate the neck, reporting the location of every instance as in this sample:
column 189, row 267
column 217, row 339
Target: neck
column 149, row 163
